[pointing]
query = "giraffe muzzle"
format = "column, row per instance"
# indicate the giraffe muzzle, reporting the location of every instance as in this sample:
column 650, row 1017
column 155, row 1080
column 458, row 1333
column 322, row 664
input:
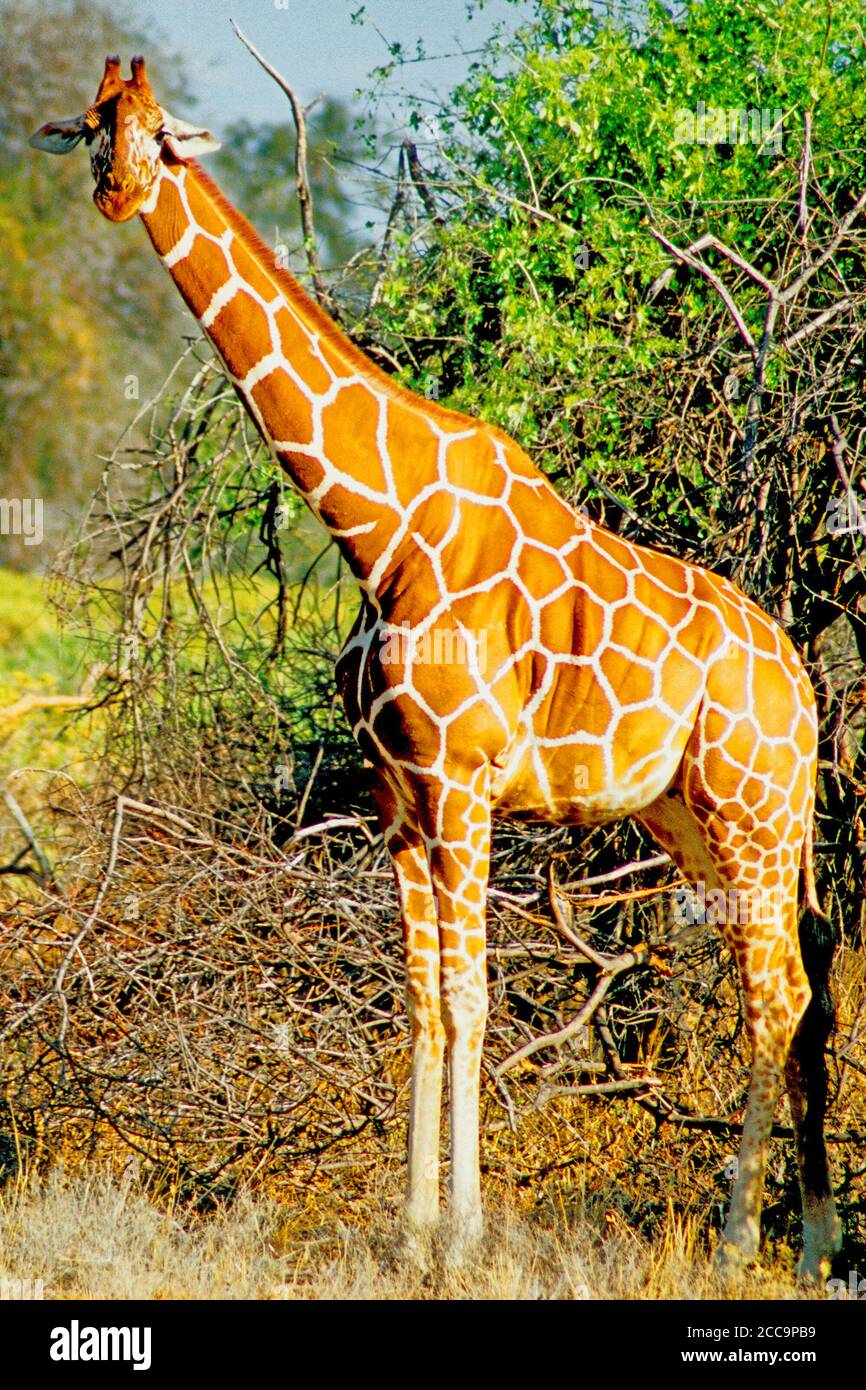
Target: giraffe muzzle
column 117, row 199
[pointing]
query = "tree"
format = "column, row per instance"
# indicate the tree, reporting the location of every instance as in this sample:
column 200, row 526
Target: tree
column 73, row 299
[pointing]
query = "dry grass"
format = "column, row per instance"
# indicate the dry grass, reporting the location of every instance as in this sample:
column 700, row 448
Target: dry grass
column 97, row 1237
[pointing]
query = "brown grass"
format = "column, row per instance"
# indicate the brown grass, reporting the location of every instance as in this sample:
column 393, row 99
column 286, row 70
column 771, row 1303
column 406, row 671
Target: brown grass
column 97, row 1237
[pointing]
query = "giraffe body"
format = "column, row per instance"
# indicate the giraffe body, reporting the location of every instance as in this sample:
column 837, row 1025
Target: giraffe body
column 509, row 656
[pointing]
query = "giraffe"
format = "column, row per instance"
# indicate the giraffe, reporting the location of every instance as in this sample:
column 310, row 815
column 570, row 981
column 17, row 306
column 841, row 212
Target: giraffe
column 509, row 655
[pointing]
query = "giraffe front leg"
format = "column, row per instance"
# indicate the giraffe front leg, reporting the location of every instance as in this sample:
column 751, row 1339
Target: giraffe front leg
column 421, row 1206
column 421, row 953
column 458, row 835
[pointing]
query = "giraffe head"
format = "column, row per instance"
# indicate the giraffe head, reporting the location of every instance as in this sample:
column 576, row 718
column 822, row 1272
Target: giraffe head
column 128, row 133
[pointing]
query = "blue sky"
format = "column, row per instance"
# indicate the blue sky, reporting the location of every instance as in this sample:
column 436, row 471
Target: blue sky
column 313, row 43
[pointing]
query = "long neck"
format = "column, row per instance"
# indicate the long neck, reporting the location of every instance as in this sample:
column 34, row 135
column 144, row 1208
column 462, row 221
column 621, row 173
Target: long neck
column 356, row 446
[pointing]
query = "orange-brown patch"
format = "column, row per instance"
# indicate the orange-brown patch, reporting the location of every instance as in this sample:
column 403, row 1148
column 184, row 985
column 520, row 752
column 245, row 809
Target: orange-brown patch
column 576, row 705
column 406, row 731
column 259, row 277
column 620, row 552
column 753, row 792
column 205, row 213
column 729, row 682
column 242, row 332
column 682, row 682
column 669, row 609
column 200, row 274
column 408, row 593
column 704, row 632
column 306, row 472
column 763, row 635
column 471, row 464
column 475, row 733
column 722, row 773
column 350, row 423
column 670, row 572
column 773, row 708
column 632, row 683
column 574, row 773
column 573, row 625
column 422, row 942
column 455, row 809
column 764, row 836
column 336, row 358
column 414, row 450
column 644, row 635
column 542, row 573
column 284, row 407
column 595, row 569
column 541, row 515
column 295, row 345
column 341, row 509
column 441, row 673
column 483, row 547
column 433, row 518
column 637, row 735
column 169, row 216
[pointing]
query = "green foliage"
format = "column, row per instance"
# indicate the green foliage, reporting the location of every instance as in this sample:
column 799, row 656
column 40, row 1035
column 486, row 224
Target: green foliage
column 556, row 157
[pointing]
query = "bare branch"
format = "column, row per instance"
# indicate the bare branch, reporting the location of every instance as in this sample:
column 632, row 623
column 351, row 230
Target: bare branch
column 302, row 182
column 416, row 173
column 397, row 206
column 710, row 275
column 27, row 831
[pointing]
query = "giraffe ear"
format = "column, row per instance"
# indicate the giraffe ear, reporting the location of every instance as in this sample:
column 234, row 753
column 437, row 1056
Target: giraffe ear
column 184, row 140
column 59, row 137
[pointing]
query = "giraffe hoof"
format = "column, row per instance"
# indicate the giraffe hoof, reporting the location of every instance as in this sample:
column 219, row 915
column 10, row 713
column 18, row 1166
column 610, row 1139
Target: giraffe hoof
column 732, row 1260
column 822, row 1240
column 414, row 1247
column 814, row 1269
column 463, row 1241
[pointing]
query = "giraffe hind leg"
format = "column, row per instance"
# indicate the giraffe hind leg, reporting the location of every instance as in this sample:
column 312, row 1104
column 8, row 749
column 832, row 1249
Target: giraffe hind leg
column 775, row 988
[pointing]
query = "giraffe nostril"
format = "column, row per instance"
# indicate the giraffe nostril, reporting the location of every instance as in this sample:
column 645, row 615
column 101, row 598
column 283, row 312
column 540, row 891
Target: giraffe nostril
column 128, row 184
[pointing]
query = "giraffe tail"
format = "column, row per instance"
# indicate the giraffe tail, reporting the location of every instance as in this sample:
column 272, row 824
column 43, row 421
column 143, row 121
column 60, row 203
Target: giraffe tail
column 811, row 891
